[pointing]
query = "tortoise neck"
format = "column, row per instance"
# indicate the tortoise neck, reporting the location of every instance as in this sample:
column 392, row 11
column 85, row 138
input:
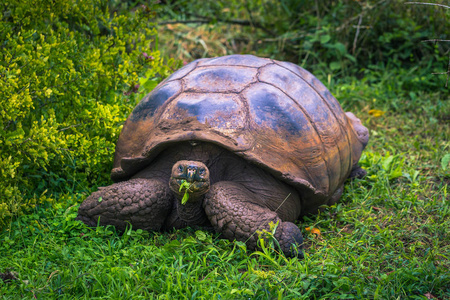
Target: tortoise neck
column 192, row 211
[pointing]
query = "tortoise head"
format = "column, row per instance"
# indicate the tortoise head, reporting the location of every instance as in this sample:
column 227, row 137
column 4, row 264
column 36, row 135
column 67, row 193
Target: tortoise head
column 191, row 177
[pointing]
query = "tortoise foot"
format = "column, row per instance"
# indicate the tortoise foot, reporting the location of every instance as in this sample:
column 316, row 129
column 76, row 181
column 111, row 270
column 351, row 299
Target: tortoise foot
column 290, row 239
column 357, row 172
column 235, row 212
column 142, row 203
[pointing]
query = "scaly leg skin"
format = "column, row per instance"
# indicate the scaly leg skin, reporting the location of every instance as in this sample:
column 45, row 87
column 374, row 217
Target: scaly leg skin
column 142, row 203
column 234, row 211
column 357, row 172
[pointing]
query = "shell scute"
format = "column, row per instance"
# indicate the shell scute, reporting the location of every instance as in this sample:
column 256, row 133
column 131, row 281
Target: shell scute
column 219, row 79
column 153, row 101
column 236, row 60
column 221, row 111
column 318, row 86
column 271, row 108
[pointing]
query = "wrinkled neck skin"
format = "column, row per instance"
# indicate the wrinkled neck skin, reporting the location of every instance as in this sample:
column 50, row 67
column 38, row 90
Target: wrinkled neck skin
column 192, row 211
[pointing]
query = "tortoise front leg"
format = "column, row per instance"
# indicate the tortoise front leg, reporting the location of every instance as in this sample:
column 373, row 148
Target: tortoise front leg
column 234, row 211
column 143, row 203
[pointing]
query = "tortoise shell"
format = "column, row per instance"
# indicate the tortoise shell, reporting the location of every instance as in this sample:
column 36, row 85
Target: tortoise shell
column 272, row 113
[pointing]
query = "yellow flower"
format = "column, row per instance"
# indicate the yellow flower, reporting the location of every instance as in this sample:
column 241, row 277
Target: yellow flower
column 376, row 113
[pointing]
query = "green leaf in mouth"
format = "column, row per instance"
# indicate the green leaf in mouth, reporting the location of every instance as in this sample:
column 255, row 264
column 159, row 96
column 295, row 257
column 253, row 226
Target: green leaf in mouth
column 185, row 198
column 187, row 185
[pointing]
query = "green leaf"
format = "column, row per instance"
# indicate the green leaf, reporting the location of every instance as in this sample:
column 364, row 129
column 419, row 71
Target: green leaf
column 185, row 198
column 149, row 85
column 340, row 47
column 445, row 161
column 397, row 172
column 325, row 39
column 387, row 162
column 187, row 185
column 184, row 184
column 172, row 245
column 351, row 58
column 200, row 235
column 100, row 199
column 335, row 65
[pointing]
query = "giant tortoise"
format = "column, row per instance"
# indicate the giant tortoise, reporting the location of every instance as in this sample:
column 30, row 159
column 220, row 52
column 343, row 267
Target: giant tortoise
column 233, row 143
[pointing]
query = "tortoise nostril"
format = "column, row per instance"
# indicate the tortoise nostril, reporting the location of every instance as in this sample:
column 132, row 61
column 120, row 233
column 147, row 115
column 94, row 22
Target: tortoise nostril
column 191, row 172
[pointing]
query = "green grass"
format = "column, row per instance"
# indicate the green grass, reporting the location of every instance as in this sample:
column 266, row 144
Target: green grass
column 388, row 237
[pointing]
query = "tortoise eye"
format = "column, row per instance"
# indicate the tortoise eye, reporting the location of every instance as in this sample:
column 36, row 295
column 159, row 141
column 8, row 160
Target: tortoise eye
column 180, row 168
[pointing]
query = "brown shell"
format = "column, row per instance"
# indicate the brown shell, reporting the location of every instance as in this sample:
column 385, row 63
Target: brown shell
column 274, row 114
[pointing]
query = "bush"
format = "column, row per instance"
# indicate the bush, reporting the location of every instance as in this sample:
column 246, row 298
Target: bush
column 69, row 76
column 345, row 37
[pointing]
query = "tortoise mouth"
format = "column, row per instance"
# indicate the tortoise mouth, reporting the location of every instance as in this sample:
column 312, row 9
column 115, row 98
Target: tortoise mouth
column 194, row 188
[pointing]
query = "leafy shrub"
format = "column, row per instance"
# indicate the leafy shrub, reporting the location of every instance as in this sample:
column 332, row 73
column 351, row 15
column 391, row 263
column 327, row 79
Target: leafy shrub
column 345, row 37
column 69, row 74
